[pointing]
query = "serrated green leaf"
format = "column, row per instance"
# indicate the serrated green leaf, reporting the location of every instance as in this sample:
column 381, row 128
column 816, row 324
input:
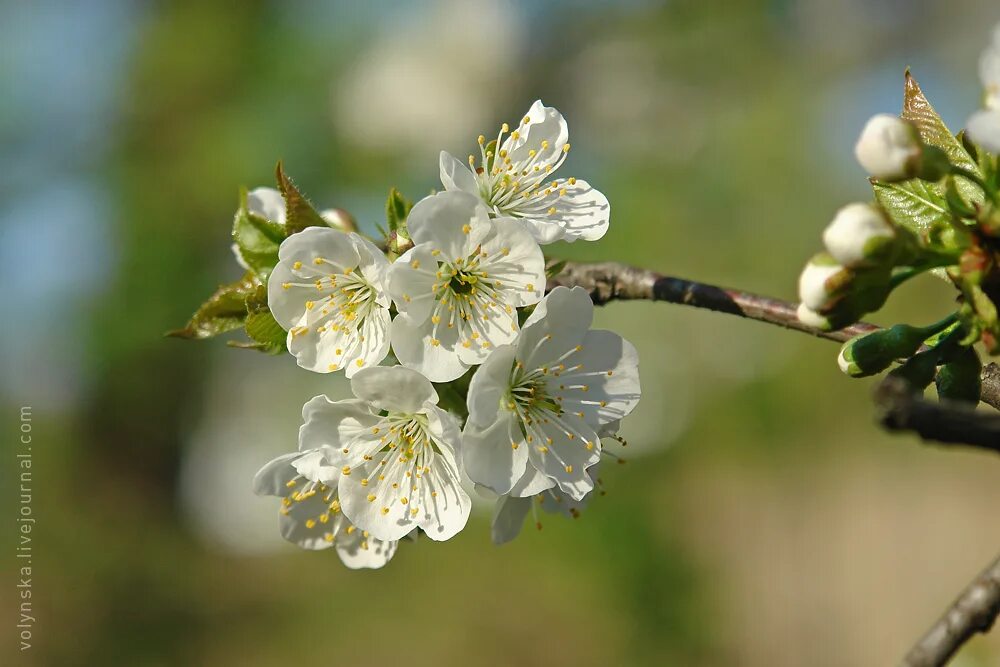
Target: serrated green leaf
column 933, row 132
column 914, row 205
column 257, row 239
column 224, row 311
column 299, row 213
column 260, row 324
column 397, row 207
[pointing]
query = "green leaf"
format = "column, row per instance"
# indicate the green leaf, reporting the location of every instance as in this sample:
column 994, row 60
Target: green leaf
column 555, row 268
column 257, row 239
column 299, row 213
column 261, row 327
column 918, row 110
column 914, row 205
column 224, row 311
column 397, row 207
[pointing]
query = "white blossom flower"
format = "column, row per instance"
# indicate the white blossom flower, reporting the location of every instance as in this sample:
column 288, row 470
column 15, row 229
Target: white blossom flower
column 889, row 148
column 310, row 515
column 329, row 291
column 458, row 288
column 858, row 235
column 538, row 408
column 397, row 454
column 984, row 126
column 514, row 179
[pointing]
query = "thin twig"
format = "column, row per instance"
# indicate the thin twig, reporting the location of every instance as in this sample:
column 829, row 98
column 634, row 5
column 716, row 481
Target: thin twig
column 944, row 422
column 613, row 281
column 974, row 611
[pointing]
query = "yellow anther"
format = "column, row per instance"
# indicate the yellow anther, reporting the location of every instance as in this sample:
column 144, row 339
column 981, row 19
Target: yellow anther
column 371, row 497
column 503, row 154
column 328, row 537
column 481, row 140
column 466, row 229
column 590, row 445
column 569, row 468
column 375, row 430
column 505, row 128
column 562, row 192
column 515, row 135
column 404, row 500
column 543, row 449
column 566, row 148
column 339, row 351
column 364, row 482
column 545, row 144
column 415, row 264
column 552, row 210
column 310, row 523
column 286, row 285
column 324, row 518
column 514, row 445
column 531, row 153
column 610, row 372
column 435, row 319
column 310, row 305
column 297, row 265
column 385, row 510
column 530, row 287
column 435, row 252
column 318, row 260
column 350, row 529
column 346, row 470
column 435, row 342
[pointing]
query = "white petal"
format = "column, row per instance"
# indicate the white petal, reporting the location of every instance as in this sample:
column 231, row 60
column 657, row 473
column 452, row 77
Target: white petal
column 488, row 387
column 414, row 347
column 358, row 552
column 582, row 213
column 609, row 371
column 508, row 517
column 332, row 424
column 984, row 128
column 267, row 203
column 336, row 349
column 332, row 245
column 565, row 454
column 411, row 279
column 393, row 388
column 373, row 266
column 557, row 325
column 489, row 455
column 316, row 467
column 453, row 222
column 300, row 523
column 457, row 176
column 545, row 124
column 271, row 479
column 532, row 483
column 513, row 257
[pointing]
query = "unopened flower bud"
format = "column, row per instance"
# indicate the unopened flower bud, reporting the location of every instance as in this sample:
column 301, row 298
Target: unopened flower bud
column 890, row 149
column 873, row 353
column 811, row 318
column 860, row 235
column 340, row 219
column 821, row 282
column 959, row 379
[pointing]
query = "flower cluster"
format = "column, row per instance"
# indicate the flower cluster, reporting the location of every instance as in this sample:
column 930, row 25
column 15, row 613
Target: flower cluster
column 531, row 389
column 937, row 210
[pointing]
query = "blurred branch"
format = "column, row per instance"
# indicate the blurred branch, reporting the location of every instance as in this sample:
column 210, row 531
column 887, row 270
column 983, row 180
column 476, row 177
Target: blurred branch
column 612, row 281
column 946, row 422
column 974, row 611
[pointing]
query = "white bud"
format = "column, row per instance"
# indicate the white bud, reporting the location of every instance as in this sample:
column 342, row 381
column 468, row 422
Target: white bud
column 340, row 219
column 989, row 72
column 811, row 318
column 857, row 235
column 848, row 367
column 814, row 291
column 889, row 148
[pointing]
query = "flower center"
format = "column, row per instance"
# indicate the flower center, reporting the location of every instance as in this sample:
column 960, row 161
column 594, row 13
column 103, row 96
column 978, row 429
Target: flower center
column 515, row 186
column 465, row 293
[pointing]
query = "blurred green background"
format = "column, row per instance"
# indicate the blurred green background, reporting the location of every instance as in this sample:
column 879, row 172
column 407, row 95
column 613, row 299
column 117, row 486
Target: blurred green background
column 762, row 518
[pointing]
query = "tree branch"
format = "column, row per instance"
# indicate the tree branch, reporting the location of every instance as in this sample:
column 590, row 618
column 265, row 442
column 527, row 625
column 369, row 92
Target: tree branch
column 974, row 611
column 612, row 281
column 945, row 422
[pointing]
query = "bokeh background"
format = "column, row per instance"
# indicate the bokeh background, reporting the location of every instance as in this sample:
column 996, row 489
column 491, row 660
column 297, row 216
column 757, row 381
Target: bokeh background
column 762, row 518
